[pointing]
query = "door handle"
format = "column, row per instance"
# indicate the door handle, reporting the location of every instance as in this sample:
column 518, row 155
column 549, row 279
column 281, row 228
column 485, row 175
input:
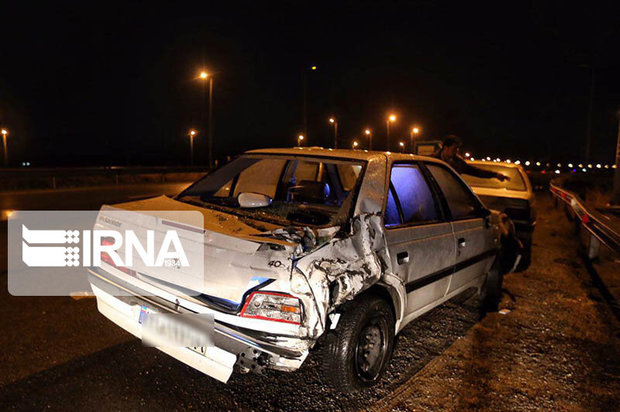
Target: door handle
column 462, row 243
column 402, row 257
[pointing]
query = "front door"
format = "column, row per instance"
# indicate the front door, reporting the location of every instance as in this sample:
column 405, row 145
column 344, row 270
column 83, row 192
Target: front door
column 475, row 250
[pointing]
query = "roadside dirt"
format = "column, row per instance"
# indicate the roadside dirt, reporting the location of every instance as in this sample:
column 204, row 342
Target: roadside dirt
column 556, row 348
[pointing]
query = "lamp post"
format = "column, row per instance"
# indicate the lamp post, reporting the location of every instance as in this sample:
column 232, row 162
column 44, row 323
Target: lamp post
column 355, row 144
column 391, row 119
column 5, row 132
column 305, row 97
column 402, row 146
column 334, row 123
column 300, row 139
column 368, row 133
column 192, row 133
column 204, row 76
column 414, row 132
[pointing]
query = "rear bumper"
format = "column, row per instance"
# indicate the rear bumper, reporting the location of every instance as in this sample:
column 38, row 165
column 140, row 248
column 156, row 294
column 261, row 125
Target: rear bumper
column 122, row 303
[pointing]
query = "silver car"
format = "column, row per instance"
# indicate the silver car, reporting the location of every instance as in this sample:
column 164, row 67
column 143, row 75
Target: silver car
column 309, row 248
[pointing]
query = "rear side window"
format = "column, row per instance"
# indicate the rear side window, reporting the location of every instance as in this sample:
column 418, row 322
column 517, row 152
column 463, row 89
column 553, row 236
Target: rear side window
column 461, row 201
column 409, row 190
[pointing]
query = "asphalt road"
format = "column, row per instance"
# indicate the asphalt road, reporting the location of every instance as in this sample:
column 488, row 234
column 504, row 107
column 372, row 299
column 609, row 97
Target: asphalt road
column 59, row 353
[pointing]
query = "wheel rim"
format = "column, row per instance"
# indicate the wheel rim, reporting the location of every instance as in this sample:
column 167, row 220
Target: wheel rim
column 371, row 350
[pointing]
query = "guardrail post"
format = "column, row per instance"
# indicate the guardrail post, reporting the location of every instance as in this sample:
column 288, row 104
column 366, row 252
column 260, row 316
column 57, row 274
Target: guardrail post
column 593, row 248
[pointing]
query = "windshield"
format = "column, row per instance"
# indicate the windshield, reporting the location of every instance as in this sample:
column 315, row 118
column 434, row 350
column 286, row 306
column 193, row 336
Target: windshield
column 515, row 183
column 304, row 190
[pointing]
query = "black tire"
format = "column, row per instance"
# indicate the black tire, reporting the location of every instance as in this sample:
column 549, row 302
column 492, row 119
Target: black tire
column 356, row 354
column 492, row 288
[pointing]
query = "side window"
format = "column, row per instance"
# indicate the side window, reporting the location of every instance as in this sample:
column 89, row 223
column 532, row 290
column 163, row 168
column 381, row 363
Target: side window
column 412, row 193
column 460, row 200
column 392, row 217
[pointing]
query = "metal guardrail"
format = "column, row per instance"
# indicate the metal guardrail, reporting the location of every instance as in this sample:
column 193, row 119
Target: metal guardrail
column 52, row 178
column 590, row 220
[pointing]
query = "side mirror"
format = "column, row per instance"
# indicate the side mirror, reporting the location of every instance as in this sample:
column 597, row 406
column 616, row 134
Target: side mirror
column 252, row 200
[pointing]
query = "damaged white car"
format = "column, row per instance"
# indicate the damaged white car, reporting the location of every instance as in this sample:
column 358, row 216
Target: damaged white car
column 309, row 247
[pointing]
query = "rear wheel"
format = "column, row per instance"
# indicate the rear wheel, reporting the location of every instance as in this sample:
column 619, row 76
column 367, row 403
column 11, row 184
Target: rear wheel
column 356, row 354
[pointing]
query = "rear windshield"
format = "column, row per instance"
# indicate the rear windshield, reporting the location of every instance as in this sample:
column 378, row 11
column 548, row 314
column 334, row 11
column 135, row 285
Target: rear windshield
column 304, row 190
column 515, row 183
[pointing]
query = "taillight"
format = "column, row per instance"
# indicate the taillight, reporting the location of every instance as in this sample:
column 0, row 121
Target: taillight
column 278, row 307
column 106, row 241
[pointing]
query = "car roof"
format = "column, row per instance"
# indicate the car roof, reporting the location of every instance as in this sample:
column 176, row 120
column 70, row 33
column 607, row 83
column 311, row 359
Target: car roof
column 358, row 154
column 502, row 164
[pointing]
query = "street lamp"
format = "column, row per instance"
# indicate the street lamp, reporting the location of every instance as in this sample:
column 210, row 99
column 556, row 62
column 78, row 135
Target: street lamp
column 402, row 146
column 192, row 133
column 300, row 139
column 368, row 133
column 414, row 132
column 391, row 119
column 5, row 132
column 355, row 144
column 305, row 96
column 204, row 76
column 334, row 123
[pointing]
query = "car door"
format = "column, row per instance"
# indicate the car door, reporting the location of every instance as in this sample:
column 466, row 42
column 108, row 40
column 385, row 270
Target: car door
column 475, row 249
column 420, row 240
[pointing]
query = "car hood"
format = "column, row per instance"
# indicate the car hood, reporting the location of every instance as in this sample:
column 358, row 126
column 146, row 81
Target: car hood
column 238, row 254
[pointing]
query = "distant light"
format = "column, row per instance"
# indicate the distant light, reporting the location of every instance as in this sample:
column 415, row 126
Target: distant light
column 507, row 160
column 537, row 163
column 392, row 118
column 557, row 172
column 570, row 165
column 401, row 144
column 388, row 152
column 527, row 162
column 192, row 132
column 518, row 162
column 580, row 165
column 332, row 120
column 313, row 67
column 548, row 164
column 614, row 166
column 472, row 159
column 467, row 154
column 8, row 213
column 589, row 166
column 606, row 166
column 300, row 137
column 573, row 170
column 4, row 131
column 416, row 130
column 584, row 170
column 488, row 158
column 367, row 131
column 559, row 164
column 484, row 160
column 204, row 75
column 355, row 144
column 598, row 165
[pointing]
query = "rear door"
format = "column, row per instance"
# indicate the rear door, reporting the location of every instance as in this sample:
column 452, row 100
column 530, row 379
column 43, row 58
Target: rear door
column 420, row 239
column 475, row 250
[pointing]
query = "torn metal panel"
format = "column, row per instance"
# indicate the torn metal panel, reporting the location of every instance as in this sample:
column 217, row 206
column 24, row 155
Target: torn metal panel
column 343, row 267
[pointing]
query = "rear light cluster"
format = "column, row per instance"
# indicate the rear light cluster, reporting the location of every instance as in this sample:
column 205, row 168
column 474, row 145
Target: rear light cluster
column 278, row 307
column 107, row 259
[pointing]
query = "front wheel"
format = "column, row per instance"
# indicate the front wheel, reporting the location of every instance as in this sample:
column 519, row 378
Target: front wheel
column 492, row 288
column 357, row 353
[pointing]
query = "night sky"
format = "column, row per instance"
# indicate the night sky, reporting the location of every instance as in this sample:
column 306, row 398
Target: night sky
column 104, row 83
